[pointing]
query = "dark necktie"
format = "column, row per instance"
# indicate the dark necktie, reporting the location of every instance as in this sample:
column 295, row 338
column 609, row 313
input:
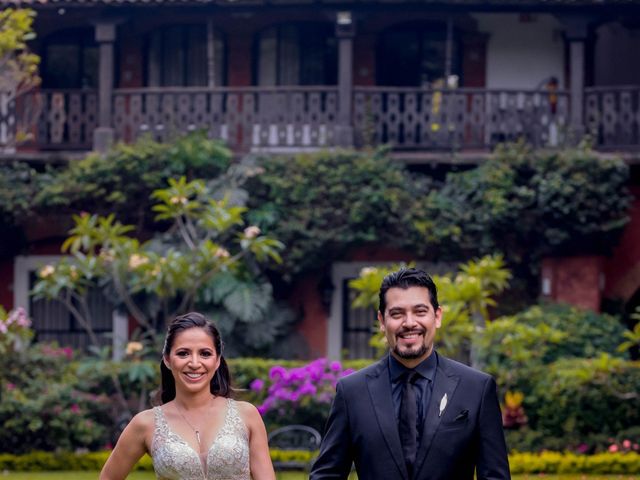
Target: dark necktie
column 408, row 419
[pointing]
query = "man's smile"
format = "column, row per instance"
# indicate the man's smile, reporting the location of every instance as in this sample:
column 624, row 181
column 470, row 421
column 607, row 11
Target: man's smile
column 410, row 335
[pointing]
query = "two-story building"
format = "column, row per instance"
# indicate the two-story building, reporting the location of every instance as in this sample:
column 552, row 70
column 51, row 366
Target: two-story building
column 440, row 81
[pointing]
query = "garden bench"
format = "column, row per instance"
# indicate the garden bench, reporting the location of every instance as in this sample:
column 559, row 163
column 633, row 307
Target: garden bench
column 294, row 437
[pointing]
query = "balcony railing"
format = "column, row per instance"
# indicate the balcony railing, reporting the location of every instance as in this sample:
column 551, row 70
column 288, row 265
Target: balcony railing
column 612, row 116
column 246, row 118
column 411, row 118
column 291, row 118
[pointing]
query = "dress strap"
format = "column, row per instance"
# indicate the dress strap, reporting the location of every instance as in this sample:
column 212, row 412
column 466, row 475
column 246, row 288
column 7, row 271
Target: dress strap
column 233, row 423
column 161, row 428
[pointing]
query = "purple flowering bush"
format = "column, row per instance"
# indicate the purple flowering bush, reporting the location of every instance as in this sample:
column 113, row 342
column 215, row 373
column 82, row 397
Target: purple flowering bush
column 299, row 395
column 15, row 331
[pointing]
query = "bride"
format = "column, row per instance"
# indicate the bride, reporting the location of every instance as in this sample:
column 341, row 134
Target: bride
column 199, row 432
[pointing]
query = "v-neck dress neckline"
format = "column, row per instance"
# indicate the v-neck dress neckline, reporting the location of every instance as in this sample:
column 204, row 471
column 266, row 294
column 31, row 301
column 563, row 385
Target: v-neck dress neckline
column 227, row 458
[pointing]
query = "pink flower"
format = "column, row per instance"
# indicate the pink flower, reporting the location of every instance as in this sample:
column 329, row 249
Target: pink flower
column 277, row 372
column 19, row 317
column 11, row 386
column 75, row 408
column 626, row 443
column 613, row 448
column 68, row 352
column 252, row 231
column 582, row 448
column 257, row 385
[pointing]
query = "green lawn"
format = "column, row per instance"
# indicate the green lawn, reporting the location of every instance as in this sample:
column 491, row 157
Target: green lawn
column 280, row 476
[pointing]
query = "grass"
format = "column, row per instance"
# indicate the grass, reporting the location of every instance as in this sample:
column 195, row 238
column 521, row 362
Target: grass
column 280, row 476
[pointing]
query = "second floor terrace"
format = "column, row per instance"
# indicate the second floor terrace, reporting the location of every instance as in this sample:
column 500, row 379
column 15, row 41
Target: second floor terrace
column 281, row 119
column 421, row 80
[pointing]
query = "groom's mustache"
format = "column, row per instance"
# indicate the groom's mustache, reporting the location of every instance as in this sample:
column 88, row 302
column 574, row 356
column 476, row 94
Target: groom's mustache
column 409, row 331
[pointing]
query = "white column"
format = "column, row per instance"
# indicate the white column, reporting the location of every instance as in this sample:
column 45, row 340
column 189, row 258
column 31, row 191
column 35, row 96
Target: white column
column 120, row 332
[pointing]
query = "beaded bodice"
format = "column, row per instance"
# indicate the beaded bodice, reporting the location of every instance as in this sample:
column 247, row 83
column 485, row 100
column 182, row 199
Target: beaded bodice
column 226, row 459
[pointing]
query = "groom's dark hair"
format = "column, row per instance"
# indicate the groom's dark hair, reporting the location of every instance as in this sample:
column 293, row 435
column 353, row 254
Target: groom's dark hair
column 405, row 278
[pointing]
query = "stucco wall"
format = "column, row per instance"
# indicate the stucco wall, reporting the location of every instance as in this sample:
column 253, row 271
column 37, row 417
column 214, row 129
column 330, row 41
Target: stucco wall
column 523, row 51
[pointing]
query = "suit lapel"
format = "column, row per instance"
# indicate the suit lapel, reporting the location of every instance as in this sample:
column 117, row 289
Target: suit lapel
column 379, row 387
column 445, row 383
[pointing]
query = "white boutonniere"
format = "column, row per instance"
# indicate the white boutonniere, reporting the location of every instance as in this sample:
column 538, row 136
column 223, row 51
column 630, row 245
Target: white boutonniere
column 443, row 404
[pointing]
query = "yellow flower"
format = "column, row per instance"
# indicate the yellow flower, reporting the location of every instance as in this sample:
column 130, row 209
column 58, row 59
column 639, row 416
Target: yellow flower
column 108, row 255
column 221, row 253
column 513, row 399
column 136, row 260
column 178, row 199
column 47, row 271
column 133, row 347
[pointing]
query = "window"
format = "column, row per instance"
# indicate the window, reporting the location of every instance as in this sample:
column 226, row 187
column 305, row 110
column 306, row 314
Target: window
column 417, row 55
column 301, row 54
column 51, row 319
column 70, row 60
column 185, row 56
column 359, row 325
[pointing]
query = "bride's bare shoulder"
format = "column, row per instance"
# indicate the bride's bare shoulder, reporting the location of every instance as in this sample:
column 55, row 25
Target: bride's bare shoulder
column 143, row 421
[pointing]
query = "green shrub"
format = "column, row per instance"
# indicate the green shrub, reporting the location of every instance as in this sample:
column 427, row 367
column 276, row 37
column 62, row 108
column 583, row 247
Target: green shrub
column 121, row 181
column 65, row 404
column 56, row 416
column 555, row 462
column 516, row 348
column 322, row 204
column 527, row 203
column 586, row 401
column 520, row 463
column 19, row 183
column 56, row 461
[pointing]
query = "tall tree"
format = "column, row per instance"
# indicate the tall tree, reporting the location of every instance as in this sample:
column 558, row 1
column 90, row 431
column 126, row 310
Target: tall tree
column 18, row 75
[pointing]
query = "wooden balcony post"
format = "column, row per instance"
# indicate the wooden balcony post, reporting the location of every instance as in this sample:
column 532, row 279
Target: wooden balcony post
column 105, row 36
column 345, row 31
column 577, row 30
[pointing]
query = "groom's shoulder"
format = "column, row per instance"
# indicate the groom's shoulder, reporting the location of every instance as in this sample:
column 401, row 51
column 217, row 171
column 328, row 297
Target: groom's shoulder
column 359, row 376
column 459, row 368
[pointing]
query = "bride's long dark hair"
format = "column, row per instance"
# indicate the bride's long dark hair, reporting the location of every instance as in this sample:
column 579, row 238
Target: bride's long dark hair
column 220, row 383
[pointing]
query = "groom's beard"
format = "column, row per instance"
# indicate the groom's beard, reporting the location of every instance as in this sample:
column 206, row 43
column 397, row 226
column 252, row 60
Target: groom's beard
column 411, row 354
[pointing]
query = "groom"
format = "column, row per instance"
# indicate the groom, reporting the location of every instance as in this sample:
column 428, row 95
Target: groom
column 415, row 414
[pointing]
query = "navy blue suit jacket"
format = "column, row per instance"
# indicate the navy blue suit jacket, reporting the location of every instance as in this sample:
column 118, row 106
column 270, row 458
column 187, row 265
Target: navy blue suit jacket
column 466, row 436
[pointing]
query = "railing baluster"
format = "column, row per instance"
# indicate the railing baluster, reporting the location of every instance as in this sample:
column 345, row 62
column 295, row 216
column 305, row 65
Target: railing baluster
column 304, row 117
